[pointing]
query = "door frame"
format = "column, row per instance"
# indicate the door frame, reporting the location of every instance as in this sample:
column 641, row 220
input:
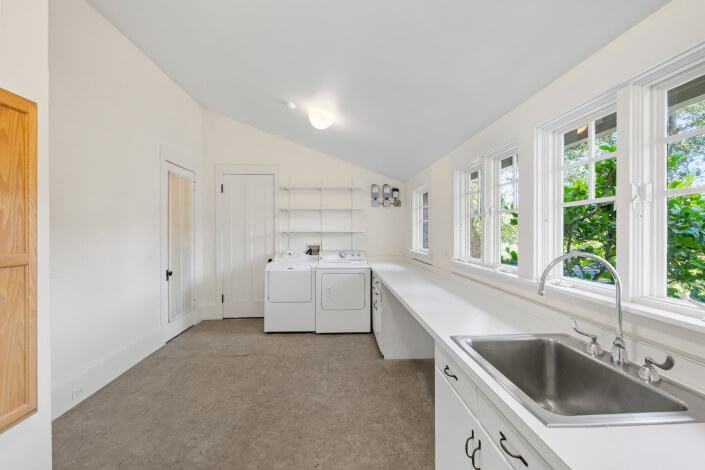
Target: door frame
column 220, row 171
column 173, row 161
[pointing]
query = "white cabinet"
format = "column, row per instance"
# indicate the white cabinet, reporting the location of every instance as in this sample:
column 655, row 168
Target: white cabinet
column 462, row 412
column 399, row 335
column 460, row 440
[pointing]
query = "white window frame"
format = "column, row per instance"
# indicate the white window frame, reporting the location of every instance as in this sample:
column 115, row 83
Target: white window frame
column 650, row 189
column 489, row 197
column 551, row 180
column 495, row 211
column 462, row 196
column 417, row 223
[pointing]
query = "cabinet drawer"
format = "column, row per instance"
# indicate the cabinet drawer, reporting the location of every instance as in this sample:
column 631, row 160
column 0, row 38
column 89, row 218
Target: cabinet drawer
column 515, row 448
column 458, row 380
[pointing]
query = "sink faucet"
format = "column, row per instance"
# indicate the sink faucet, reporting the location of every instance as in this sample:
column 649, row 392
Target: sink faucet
column 619, row 350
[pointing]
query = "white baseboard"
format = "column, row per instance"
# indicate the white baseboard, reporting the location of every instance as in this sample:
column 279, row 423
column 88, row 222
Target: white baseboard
column 102, row 371
column 210, row 312
column 107, row 368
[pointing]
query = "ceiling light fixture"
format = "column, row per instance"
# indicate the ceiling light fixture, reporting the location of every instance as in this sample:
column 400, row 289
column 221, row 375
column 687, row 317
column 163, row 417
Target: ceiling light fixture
column 321, row 118
column 582, row 129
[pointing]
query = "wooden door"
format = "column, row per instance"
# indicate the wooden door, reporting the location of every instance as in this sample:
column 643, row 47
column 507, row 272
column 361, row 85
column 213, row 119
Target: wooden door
column 248, row 242
column 180, row 235
column 18, row 259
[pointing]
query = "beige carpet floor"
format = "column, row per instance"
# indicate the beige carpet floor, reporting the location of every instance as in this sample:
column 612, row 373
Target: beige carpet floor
column 225, row 395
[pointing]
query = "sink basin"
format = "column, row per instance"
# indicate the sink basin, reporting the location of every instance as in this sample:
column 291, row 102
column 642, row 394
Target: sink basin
column 555, row 379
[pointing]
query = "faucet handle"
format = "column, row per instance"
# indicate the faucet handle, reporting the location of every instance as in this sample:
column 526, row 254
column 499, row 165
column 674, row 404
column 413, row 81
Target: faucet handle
column 594, row 348
column 648, row 371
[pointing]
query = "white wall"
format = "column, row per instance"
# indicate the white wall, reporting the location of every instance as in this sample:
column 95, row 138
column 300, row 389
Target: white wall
column 24, row 71
column 664, row 34
column 112, row 112
column 229, row 142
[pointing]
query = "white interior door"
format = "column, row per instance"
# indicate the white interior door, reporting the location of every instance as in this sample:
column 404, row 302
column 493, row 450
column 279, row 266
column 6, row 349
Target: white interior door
column 247, row 242
column 180, row 257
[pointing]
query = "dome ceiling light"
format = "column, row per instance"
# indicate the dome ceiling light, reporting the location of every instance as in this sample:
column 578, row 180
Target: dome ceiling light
column 320, row 117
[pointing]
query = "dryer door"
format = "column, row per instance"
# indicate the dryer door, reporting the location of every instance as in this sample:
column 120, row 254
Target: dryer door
column 290, row 284
column 343, row 291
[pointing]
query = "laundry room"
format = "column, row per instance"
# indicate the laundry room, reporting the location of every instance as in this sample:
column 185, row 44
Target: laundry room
column 366, row 235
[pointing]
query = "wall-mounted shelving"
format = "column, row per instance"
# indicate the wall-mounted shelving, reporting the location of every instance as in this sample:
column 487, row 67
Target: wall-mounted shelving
column 328, row 214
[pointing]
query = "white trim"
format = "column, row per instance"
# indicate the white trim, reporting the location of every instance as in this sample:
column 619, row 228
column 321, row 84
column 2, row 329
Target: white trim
column 416, row 219
column 101, row 371
column 220, row 171
column 172, row 161
column 421, row 255
column 550, row 181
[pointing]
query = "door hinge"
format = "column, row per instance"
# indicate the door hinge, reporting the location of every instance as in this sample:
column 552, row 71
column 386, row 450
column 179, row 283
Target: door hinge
column 221, row 188
column 222, row 299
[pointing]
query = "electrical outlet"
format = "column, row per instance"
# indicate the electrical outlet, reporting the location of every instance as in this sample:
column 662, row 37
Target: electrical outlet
column 77, row 394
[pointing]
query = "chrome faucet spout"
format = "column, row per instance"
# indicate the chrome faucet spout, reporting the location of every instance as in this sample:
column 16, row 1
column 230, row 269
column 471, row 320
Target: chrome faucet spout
column 619, row 351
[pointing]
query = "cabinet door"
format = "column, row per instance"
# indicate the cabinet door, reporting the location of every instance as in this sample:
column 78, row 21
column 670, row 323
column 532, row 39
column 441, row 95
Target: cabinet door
column 461, row 443
column 343, row 291
column 18, row 259
column 456, row 433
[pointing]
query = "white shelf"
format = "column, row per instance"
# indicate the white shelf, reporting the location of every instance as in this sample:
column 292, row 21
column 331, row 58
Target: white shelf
column 321, row 231
column 310, row 188
column 317, row 209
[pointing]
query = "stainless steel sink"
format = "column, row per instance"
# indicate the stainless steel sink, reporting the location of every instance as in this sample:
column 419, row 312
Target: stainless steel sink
column 564, row 387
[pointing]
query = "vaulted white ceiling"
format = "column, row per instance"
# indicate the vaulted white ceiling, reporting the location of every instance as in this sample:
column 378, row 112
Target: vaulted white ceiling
column 410, row 79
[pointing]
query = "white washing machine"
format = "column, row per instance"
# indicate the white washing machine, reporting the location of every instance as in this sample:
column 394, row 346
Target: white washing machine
column 342, row 292
column 289, row 293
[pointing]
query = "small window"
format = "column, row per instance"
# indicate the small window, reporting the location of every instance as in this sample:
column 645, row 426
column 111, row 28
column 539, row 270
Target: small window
column 683, row 191
column 508, row 209
column 588, row 171
column 420, row 238
column 473, row 219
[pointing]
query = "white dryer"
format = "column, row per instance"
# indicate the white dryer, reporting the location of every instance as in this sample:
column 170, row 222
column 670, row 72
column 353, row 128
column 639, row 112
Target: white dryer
column 343, row 292
column 289, row 291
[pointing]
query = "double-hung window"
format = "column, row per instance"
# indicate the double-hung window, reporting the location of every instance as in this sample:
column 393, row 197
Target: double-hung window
column 587, row 172
column 507, row 194
column 472, row 249
column 420, row 223
column 679, row 177
column 487, row 212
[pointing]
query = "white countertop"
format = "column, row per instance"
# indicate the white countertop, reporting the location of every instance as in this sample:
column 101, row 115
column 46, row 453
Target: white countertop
column 447, row 305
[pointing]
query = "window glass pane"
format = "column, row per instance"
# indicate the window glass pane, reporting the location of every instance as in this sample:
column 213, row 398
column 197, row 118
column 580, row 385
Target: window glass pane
column 606, row 177
column 509, row 238
column 474, row 181
column 575, row 145
column 575, row 184
column 424, row 237
column 425, row 213
column 506, row 170
column 506, row 196
column 686, row 106
column 425, row 199
column 474, row 203
column 686, row 246
column 475, row 236
column 590, row 228
column 686, row 163
column 606, row 135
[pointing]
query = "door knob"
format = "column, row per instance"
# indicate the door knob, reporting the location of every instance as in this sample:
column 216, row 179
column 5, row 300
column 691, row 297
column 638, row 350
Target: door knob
column 169, row 274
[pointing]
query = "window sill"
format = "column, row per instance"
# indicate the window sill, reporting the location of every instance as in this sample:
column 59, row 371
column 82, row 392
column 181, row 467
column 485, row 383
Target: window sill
column 421, row 255
column 569, row 291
